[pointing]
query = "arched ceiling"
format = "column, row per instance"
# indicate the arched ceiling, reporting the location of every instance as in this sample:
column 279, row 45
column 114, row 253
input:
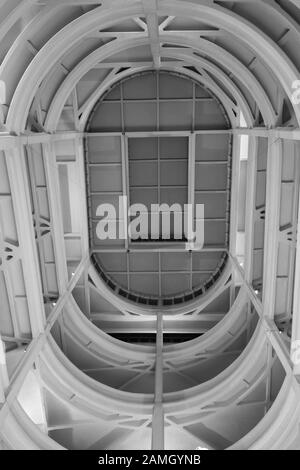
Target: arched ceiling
column 67, row 65
column 58, row 59
column 225, row 34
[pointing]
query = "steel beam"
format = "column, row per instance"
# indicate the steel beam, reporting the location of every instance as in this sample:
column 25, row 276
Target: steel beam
column 56, row 216
column 272, row 225
column 296, row 300
column 34, row 348
column 158, row 411
column 17, row 172
column 250, row 207
column 150, row 9
column 272, row 332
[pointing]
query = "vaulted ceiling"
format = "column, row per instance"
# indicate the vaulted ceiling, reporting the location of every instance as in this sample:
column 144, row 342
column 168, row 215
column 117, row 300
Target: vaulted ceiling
column 160, row 101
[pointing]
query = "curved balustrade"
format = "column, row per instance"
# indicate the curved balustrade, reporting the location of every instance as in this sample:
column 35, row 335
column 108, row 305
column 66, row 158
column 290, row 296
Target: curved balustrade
column 239, row 388
column 195, row 305
column 131, row 367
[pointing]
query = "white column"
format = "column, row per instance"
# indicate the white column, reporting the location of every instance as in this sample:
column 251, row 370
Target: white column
column 81, row 189
column 56, row 219
column 250, row 208
column 234, row 206
column 234, row 203
column 4, row 381
column 16, row 167
column 295, row 344
column 84, row 233
column 272, row 221
column 158, row 411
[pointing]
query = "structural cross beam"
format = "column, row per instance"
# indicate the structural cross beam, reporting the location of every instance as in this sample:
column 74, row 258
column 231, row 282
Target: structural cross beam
column 272, row 332
column 273, row 196
column 8, row 141
column 37, row 344
column 150, row 9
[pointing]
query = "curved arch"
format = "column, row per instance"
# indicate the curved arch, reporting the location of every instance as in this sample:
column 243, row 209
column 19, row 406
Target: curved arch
column 125, row 305
column 58, row 45
column 22, row 434
column 209, row 84
column 268, row 50
column 227, row 387
column 181, row 67
column 87, row 63
column 279, row 428
column 106, row 348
